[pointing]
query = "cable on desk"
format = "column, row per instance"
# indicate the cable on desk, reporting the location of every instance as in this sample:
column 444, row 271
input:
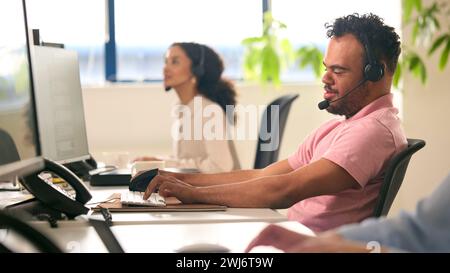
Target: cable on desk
column 107, row 216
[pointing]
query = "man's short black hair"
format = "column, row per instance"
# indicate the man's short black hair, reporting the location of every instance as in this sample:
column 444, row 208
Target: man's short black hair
column 382, row 40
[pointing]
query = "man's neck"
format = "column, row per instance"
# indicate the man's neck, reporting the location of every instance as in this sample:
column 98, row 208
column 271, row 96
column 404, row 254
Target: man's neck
column 368, row 101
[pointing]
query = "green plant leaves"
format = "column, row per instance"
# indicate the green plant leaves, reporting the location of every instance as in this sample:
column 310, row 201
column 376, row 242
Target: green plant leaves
column 425, row 24
column 252, row 40
column 437, row 43
column 288, row 50
column 270, row 69
column 415, row 64
column 443, row 40
column 251, row 62
column 397, row 75
column 311, row 56
column 266, row 55
column 408, row 6
column 444, row 57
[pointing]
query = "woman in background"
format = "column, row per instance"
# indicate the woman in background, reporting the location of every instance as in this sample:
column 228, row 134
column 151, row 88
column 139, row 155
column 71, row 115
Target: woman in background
column 194, row 71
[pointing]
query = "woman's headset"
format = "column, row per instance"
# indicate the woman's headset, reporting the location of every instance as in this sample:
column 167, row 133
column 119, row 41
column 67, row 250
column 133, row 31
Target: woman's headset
column 199, row 70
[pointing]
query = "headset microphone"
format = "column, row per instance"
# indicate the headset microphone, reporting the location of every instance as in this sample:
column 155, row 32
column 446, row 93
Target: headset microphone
column 326, row 103
column 323, row 104
column 167, row 88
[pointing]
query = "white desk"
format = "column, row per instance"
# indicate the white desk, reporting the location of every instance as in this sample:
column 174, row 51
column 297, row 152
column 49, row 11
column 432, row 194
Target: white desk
column 168, row 238
column 8, row 198
column 161, row 238
column 126, row 218
column 230, row 215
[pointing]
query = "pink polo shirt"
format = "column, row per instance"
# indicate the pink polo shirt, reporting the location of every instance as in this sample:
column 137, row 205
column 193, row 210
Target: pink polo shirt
column 362, row 145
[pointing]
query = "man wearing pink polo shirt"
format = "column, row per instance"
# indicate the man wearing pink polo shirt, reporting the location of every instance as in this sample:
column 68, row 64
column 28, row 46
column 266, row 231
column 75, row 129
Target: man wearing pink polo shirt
column 334, row 176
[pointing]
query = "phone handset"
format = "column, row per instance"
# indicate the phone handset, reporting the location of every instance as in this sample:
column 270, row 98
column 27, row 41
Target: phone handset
column 82, row 194
column 54, row 197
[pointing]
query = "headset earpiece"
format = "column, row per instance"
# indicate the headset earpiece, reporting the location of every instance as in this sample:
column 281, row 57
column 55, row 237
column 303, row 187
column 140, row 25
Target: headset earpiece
column 373, row 70
column 198, row 70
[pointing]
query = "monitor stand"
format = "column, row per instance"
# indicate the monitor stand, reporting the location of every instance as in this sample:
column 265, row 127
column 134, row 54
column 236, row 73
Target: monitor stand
column 82, row 168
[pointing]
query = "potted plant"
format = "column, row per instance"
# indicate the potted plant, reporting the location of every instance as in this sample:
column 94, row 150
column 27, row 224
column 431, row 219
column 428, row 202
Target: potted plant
column 425, row 23
column 266, row 55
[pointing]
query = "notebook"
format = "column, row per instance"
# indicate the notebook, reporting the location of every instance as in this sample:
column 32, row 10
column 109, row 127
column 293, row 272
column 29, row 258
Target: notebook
column 114, row 204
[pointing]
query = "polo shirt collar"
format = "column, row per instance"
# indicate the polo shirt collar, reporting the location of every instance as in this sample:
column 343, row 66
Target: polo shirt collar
column 384, row 101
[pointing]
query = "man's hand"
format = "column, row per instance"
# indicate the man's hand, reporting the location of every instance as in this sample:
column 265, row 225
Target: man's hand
column 278, row 237
column 170, row 186
column 290, row 241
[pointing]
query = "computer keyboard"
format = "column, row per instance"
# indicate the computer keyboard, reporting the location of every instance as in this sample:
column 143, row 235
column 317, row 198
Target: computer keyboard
column 134, row 198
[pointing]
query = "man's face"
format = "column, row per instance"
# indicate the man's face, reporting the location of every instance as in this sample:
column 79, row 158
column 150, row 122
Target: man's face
column 344, row 70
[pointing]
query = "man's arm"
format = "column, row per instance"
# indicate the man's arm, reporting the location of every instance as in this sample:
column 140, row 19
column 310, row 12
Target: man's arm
column 280, row 167
column 425, row 230
column 290, row 241
column 274, row 191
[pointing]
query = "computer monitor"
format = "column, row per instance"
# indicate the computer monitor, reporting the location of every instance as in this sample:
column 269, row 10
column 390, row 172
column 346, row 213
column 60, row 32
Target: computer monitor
column 19, row 142
column 59, row 104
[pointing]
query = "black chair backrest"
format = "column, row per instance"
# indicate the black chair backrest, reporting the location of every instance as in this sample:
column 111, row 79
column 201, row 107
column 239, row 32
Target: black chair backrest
column 395, row 172
column 267, row 150
column 35, row 237
column 8, row 150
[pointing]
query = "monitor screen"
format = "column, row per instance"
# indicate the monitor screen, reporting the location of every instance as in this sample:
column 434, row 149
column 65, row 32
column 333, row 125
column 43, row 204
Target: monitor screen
column 19, row 143
column 59, row 104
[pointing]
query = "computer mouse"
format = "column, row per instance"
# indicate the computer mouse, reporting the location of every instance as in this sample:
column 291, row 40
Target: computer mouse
column 203, row 248
column 140, row 181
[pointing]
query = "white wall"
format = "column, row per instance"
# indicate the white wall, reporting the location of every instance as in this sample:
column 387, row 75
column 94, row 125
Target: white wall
column 426, row 116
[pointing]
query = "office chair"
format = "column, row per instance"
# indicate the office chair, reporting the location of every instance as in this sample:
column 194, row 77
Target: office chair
column 395, row 172
column 45, row 245
column 36, row 238
column 8, row 150
column 267, row 150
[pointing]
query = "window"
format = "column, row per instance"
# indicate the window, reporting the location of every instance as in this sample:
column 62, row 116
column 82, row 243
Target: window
column 305, row 22
column 144, row 30
column 79, row 25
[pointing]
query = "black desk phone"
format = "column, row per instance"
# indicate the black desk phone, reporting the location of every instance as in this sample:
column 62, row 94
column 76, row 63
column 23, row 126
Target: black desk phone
column 54, row 196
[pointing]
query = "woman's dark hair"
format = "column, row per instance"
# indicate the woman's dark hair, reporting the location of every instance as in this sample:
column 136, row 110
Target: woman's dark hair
column 382, row 40
column 207, row 67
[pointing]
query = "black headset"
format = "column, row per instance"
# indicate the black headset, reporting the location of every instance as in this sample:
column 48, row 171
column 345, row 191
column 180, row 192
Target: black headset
column 199, row 70
column 373, row 70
